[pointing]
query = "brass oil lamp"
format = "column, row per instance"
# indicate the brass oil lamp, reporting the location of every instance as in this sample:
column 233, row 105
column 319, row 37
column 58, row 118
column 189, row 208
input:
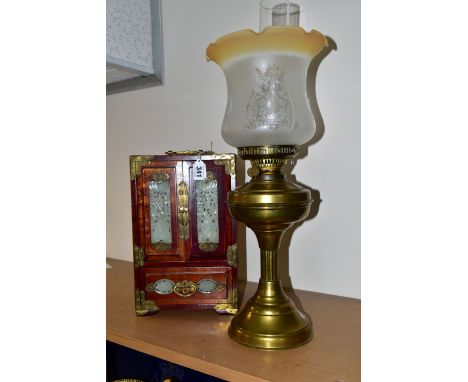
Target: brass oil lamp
column 268, row 116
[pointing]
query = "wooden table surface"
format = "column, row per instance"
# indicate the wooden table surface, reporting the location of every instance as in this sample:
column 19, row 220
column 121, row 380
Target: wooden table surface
column 199, row 340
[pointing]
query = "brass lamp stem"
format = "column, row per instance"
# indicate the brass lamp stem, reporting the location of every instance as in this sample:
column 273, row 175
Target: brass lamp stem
column 269, row 204
column 269, row 265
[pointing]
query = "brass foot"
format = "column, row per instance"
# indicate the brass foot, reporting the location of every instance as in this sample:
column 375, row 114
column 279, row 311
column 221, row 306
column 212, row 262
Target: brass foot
column 271, row 321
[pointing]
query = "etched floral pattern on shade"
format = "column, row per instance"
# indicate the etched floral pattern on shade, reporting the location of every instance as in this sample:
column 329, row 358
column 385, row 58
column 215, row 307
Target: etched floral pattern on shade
column 270, row 104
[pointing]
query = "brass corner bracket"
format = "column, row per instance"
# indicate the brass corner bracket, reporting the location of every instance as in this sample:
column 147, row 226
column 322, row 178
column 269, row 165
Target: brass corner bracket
column 136, row 163
column 144, row 307
column 228, row 161
column 230, row 307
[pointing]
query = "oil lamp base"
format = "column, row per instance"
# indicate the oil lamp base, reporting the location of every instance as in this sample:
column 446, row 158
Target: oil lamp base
column 269, row 205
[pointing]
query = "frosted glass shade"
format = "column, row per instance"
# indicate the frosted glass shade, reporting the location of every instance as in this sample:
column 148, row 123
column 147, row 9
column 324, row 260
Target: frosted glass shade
column 266, row 75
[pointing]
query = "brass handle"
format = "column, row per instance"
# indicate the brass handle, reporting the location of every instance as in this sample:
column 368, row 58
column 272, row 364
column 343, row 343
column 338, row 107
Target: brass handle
column 183, row 221
column 188, row 152
column 185, row 288
column 183, row 215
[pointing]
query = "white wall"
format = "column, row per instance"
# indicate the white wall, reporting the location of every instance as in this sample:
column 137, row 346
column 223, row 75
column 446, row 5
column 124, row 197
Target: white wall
column 187, row 112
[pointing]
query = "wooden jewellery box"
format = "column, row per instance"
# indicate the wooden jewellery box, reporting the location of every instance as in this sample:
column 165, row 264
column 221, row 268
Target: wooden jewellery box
column 184, row 239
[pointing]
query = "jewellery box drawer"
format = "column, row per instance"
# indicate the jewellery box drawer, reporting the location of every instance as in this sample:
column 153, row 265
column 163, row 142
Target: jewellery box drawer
column 187, row 285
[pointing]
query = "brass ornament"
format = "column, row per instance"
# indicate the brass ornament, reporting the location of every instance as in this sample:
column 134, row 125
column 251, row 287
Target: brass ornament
column 183, row 215
column 144, row 307
column 267, row 158
column 185, row 288
column 209, row 176
column 269, row 205
column 160, row 176
column 208, row 246
column 137, row 162
column 259, row 152
column 231, row 255
column 138, row 256
column 161, row 245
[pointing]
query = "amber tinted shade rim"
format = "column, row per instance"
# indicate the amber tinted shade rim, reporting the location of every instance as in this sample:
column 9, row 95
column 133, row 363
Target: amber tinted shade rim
column 292, row 40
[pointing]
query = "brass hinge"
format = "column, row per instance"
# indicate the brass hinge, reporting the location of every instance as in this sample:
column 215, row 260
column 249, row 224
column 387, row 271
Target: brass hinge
column 138, row 256
column 231, row 255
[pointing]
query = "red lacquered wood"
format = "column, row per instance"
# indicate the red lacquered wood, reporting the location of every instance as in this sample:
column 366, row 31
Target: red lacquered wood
column 184, row 260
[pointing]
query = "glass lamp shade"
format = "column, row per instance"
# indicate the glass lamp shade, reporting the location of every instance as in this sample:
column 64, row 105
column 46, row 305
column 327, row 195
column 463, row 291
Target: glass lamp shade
column 266, row 75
